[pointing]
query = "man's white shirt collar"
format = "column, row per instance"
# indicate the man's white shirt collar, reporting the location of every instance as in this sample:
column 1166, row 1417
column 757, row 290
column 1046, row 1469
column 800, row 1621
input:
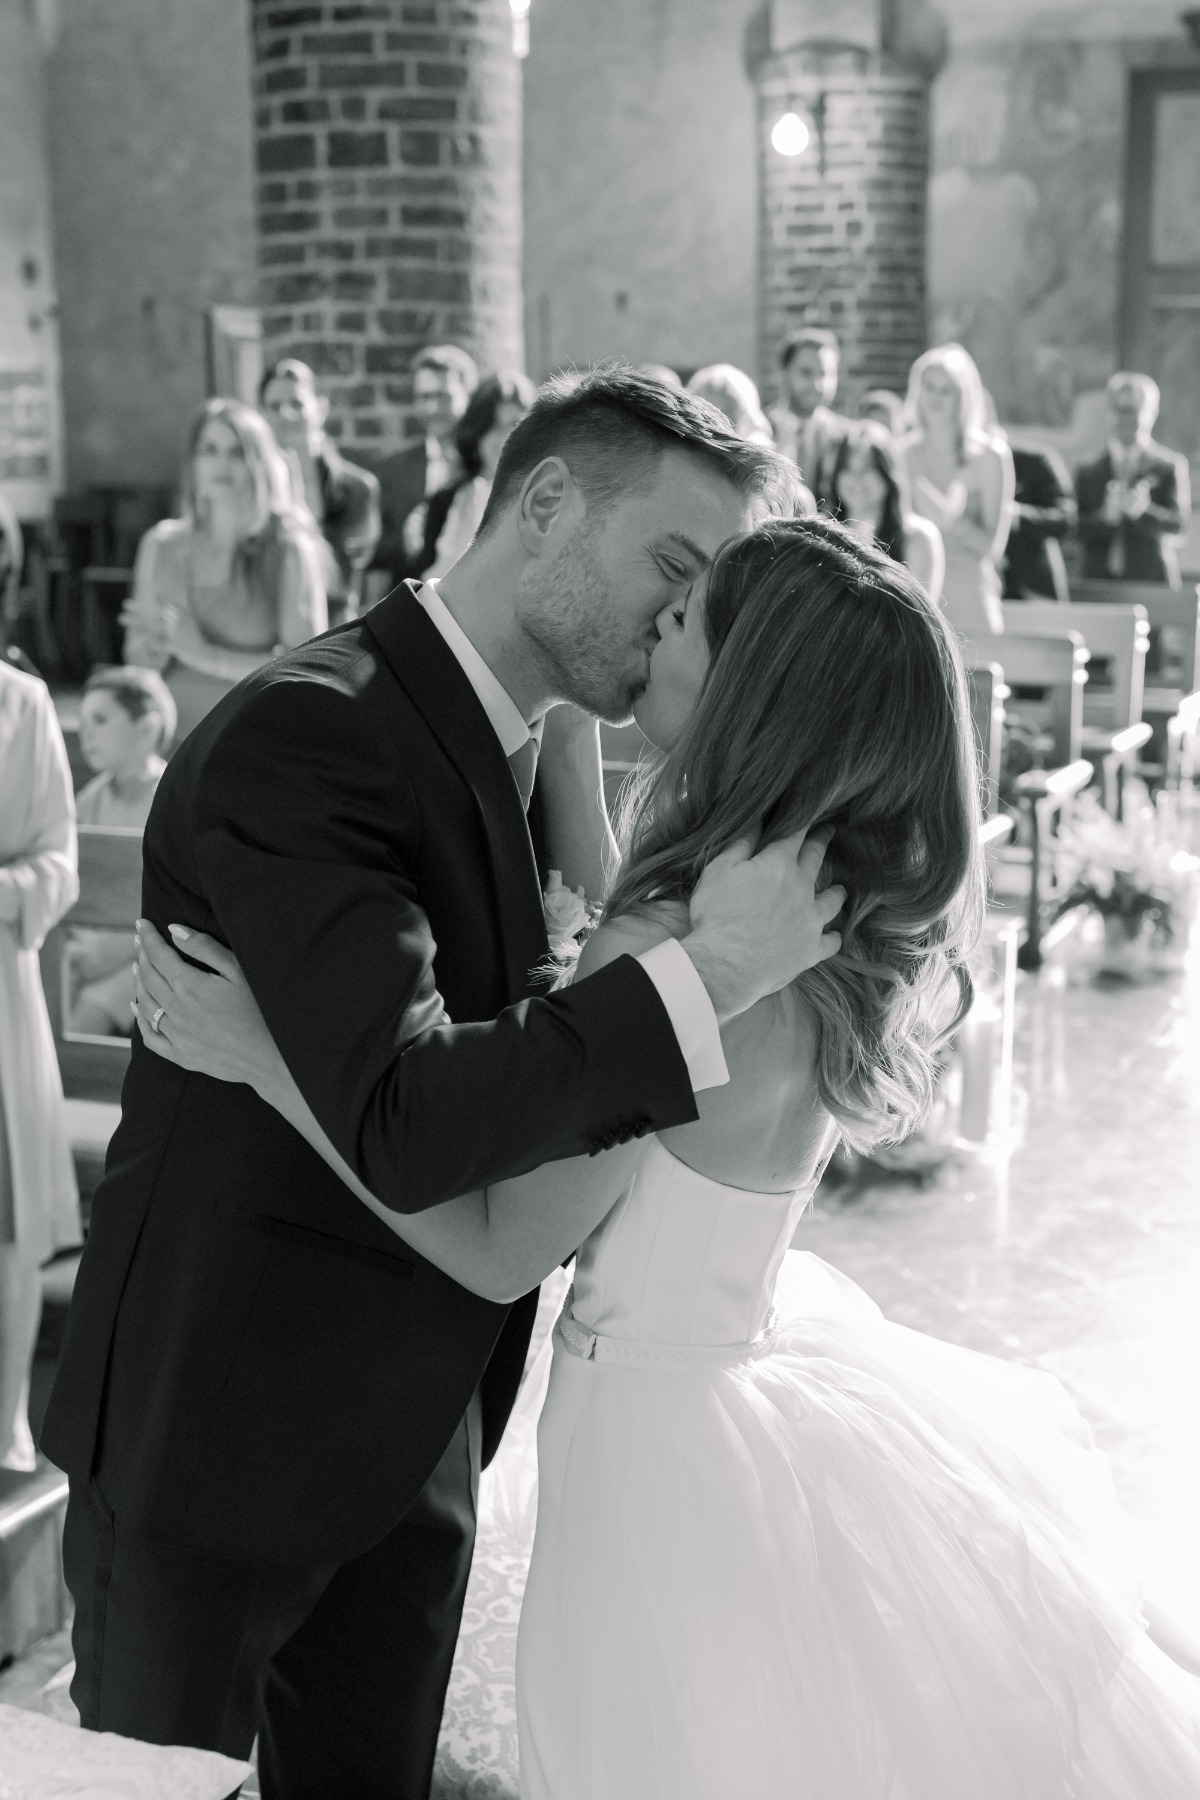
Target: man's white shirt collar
column 668, row 965
column 496, row 701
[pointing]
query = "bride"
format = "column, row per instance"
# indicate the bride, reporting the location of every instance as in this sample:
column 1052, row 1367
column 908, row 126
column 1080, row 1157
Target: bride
column 784, row 1547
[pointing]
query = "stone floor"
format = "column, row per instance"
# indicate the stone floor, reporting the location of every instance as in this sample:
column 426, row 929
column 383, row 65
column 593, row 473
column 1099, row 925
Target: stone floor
column 1073, row 1244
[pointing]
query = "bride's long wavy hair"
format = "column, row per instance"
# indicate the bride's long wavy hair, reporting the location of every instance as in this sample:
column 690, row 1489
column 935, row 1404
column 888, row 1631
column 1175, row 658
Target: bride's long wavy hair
column 836, row 697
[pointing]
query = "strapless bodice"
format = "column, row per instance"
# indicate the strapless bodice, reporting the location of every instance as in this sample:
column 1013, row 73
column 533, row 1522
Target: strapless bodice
column 682, row 1259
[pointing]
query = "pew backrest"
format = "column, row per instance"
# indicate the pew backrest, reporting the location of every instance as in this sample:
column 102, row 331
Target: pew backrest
column 1052, row 665
column 1117, row 637
column 1173, row 615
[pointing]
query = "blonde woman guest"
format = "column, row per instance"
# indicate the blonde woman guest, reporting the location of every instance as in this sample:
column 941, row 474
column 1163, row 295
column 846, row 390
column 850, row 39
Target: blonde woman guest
column 126, row 723
column 39, row 1201
column 870, row 489
column 961, row 474
column 732, row 392
column 239, row 578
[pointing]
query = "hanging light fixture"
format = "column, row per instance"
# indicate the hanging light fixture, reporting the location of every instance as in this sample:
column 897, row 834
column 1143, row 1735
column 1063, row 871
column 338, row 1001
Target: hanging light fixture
column 520, row 25
column 789, row 134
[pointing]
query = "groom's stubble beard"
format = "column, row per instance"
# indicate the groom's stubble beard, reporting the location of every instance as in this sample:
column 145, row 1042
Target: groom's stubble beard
column 567, row 611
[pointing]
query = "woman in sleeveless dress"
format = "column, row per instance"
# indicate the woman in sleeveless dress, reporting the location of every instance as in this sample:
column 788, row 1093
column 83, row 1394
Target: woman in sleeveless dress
column 961, row 475
column 784, row 1547
column 240, row 577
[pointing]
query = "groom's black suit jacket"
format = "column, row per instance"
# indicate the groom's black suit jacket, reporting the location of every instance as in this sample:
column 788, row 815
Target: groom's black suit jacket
column 254, row 1364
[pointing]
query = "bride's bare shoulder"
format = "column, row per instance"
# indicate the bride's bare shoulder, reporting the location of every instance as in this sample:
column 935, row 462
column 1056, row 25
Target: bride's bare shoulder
column 632, row 933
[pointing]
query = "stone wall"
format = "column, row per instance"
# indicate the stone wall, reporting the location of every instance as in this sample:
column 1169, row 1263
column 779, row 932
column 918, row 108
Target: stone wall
column 150, row 158
column 1026, row 193
column 640, row 183
column 389, row 207
column 29, row 408
column 842, row 240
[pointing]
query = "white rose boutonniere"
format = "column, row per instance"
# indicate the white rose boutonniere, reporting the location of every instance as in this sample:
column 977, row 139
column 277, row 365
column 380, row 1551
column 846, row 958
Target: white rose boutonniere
column 568, row 916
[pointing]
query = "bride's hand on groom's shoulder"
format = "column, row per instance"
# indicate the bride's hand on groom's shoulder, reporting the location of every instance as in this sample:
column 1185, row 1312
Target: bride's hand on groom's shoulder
column 757, row 920
column 205, row 1019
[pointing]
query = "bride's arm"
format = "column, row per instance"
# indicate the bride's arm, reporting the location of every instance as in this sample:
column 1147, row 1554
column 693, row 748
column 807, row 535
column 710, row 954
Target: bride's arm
column 498, row 1241
column 579, row 839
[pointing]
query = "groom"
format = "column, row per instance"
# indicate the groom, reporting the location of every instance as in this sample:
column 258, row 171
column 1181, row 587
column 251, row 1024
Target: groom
column 273, row 1414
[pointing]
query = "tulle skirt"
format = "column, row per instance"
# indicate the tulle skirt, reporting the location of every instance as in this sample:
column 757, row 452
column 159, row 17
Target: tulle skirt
column 859, row 1564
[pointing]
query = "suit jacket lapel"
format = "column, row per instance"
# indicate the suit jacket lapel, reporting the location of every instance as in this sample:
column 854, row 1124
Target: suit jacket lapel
column 430, row 675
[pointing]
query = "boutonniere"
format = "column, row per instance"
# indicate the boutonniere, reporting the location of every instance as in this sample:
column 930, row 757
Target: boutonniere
column 569, row 917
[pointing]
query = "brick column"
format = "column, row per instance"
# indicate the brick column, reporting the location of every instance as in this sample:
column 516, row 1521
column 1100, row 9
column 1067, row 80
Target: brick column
column 389, row 199
column 842, row 235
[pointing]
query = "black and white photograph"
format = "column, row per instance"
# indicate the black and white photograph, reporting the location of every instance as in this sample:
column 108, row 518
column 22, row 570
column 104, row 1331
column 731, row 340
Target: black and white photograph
column 599, row 900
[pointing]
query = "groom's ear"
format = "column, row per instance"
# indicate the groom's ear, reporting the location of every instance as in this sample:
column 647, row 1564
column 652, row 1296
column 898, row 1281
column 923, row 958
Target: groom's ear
column 548, row 499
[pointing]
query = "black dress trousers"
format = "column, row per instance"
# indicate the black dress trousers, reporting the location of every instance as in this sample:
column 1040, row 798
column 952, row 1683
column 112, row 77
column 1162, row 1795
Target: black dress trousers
column 341, row 1670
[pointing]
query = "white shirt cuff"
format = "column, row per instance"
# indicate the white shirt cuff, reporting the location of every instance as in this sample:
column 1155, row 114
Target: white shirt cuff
column 690, row 1011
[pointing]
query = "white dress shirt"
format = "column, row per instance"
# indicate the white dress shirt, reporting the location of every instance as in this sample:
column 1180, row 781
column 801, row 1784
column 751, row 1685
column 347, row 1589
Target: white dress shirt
column 668, row 965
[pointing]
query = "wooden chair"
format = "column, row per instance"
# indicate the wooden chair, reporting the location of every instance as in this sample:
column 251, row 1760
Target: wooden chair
column 110, row 898
column 988, row 694
column 1183, row 743
column 1117, row 638
column 1171, row 660
column 1050, row 666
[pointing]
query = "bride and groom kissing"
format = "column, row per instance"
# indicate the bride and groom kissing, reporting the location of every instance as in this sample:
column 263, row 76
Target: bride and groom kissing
column 788, row 1549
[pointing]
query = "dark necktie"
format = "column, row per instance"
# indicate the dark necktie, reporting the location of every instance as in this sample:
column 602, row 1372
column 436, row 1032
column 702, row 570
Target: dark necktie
column 523, row 763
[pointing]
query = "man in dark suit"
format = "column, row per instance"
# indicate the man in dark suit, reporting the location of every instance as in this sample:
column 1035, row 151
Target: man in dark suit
column 1134, row 498
column 444, row 378
column 343, row 498
column 273, row 1414
column 806, row 429
column 1043, row 512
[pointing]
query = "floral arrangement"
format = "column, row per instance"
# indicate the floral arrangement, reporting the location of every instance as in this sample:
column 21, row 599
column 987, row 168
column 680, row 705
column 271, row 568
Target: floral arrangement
column 569, row 917
column 1130, row 872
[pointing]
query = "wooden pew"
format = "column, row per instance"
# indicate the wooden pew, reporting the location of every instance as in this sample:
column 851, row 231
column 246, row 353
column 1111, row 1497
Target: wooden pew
column 110, row 898
column 1117, row 638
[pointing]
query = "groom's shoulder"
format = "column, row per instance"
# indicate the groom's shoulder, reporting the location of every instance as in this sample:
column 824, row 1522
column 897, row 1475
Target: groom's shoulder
column 331, row 699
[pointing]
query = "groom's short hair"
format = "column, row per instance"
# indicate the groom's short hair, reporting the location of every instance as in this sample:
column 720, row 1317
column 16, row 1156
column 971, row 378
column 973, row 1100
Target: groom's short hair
column 612, row 424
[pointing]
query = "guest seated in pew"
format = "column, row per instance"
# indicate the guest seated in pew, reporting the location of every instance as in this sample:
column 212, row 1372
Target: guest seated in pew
column 126, row 722
column 961, row 471
column 238, row 578
column 39, row 1200
column 1135, row 497
column 870, row 491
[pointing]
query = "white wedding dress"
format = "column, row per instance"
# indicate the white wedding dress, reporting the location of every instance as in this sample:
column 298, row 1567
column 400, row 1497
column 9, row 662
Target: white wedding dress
column 808, row 1554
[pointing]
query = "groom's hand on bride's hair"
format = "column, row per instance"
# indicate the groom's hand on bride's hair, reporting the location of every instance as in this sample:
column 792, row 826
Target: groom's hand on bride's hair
column 210, row 1023
column 758, row 920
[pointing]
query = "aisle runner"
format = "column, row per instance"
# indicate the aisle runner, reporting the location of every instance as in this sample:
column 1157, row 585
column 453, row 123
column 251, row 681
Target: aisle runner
column 477, row 1755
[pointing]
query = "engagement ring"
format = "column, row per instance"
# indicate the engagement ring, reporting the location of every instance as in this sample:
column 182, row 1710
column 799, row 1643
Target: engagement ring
column 156, row 1016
